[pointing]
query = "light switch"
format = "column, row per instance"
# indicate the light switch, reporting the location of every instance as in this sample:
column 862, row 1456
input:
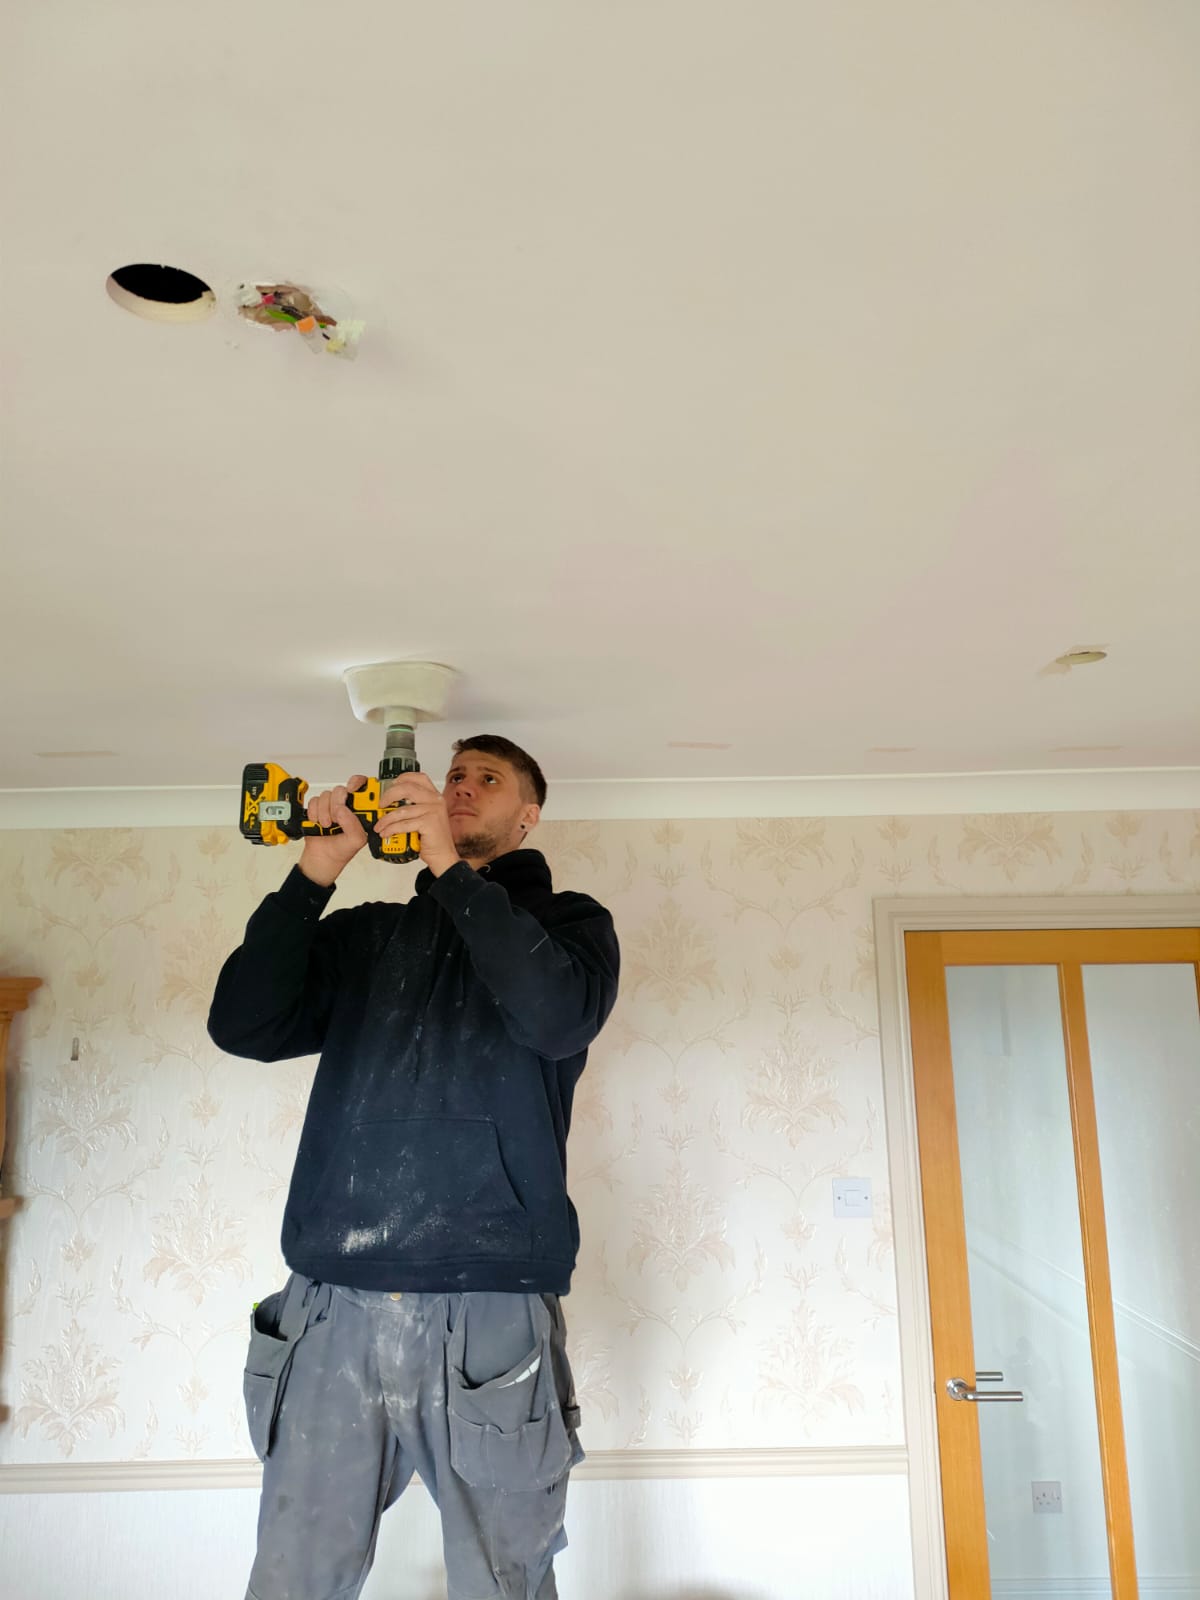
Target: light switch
column 852, row 1197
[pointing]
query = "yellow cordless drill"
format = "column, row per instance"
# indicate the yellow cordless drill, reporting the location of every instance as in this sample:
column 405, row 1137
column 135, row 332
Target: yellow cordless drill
column 274, row 812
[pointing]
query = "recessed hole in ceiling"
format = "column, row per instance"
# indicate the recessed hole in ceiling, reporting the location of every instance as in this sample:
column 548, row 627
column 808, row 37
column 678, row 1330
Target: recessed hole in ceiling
column 1081, row 658
column 161, row 294
column 694, row 744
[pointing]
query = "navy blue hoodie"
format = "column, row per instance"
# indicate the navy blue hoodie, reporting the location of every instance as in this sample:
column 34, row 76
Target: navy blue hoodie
column 452, row 1031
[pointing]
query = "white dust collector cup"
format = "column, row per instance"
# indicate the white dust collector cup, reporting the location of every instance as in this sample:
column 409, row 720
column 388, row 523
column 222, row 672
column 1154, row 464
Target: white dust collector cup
column 394, row 692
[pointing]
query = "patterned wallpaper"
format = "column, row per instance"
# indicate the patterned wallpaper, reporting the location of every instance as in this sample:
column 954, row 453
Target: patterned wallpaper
column 718, row 1303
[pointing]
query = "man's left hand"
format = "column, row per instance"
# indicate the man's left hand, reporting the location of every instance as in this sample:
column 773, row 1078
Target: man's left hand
column 424, row 813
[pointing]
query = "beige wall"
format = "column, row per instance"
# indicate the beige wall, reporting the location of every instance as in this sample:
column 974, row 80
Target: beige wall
column 718, row 1303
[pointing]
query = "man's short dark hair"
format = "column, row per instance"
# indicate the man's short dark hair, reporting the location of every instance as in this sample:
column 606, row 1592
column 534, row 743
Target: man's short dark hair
column 523, row 764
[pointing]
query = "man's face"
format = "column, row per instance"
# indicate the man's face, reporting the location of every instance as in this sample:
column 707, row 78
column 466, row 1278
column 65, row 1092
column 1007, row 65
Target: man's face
column 487, row 805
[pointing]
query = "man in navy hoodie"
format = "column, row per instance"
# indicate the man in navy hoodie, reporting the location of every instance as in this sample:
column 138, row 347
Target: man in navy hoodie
column 428, row 1227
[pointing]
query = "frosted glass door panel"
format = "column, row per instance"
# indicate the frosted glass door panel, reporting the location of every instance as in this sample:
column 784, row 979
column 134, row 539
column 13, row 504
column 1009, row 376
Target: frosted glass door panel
column 1025, row 1259
column 1144, row 1034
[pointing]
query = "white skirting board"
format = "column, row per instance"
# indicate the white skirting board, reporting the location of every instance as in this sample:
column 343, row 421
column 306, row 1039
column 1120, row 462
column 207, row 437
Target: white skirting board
column 1182, row 1588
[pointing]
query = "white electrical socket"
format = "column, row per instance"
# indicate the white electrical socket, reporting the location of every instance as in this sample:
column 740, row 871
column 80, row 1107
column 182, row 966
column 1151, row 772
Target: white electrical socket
column 1047, row 1498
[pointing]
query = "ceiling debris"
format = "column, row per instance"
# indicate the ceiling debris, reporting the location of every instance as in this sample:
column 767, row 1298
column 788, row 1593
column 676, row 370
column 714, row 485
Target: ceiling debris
column 284, row 306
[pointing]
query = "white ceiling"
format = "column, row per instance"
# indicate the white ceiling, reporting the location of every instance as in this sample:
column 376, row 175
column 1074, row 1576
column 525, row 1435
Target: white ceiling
column 801, row 376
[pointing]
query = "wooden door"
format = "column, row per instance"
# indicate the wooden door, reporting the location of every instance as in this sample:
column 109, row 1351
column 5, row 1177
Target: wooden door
column 1051, row 965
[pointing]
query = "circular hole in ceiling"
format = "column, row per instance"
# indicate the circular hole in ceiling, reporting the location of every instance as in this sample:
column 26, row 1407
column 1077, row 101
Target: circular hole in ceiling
column 1081, row 658
column 161, row 294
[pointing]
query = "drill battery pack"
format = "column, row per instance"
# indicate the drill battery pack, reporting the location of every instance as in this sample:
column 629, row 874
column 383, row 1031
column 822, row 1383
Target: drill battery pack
column 273, row 812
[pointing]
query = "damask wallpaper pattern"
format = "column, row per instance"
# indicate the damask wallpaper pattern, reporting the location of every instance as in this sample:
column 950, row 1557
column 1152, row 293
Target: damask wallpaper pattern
column 717, row 1304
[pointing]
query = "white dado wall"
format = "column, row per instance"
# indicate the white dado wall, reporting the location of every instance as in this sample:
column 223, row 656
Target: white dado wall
column 747, row 1539
column 719, row 1310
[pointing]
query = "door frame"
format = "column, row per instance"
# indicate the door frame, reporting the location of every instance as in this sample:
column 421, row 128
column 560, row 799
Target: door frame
column 893, row 919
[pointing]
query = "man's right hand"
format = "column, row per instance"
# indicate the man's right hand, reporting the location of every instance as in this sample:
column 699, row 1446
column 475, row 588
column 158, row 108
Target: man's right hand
column 323, row 858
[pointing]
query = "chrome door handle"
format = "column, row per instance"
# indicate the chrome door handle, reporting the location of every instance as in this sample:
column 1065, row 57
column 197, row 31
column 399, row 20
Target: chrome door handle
column 960, row 1389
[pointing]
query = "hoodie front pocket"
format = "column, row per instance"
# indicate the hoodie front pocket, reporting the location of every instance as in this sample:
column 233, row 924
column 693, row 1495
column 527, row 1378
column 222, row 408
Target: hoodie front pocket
column 419, row 1189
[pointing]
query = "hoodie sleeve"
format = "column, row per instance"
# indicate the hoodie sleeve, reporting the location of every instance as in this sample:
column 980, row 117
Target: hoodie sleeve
column 556, row 985
column 275, row 992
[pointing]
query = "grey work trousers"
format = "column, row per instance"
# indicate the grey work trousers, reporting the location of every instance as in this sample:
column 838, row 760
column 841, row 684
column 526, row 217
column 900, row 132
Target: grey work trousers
column 349, row 1392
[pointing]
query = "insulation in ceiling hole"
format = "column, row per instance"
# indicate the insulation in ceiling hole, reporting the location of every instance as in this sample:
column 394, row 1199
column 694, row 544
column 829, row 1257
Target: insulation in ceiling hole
column 289, row 307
